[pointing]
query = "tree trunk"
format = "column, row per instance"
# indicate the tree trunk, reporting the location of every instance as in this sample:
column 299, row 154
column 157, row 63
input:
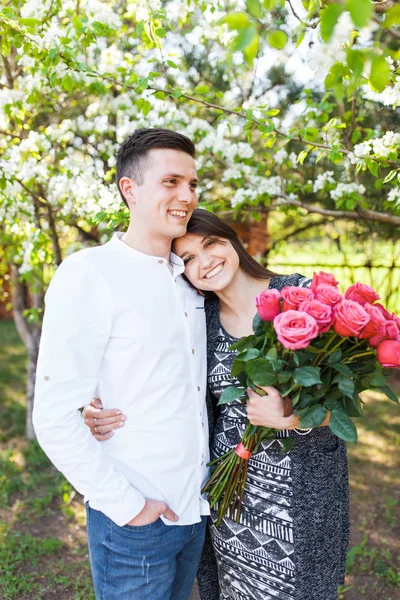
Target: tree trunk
column 30, row 335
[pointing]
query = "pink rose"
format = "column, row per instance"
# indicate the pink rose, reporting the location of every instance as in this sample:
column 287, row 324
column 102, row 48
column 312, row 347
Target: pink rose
column 268, row 304
column 375, row 324
column 361, row 293
column 322, row 313
column 295, row 329
column 388, row 353
column 385, row 312
column 389, row 331
column 328, row 294
column 323, row 277
column 294, row 296
column 350, row 318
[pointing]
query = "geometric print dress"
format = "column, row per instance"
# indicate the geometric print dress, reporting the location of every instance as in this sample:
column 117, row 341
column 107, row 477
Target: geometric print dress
column 254, row 556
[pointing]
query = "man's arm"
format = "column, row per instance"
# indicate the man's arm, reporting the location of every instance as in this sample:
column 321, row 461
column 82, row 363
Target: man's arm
column 76, row 330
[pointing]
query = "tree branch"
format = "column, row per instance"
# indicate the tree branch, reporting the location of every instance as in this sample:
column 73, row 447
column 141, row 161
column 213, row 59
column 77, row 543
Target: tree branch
column 312, row 25
column 383, row 7
column 365, row 215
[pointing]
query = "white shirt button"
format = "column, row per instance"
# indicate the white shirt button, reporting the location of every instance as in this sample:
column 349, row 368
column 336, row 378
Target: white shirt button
column 198, row 388
column 46, row 378
column 185, row 313
column 193, row 350
column 161, row 261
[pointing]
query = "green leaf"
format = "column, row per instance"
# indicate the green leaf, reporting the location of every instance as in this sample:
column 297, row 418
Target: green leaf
column 254, row 8
column 360, row 11
column 251, row 51
column 236, row 20
column 29, row 22
column 353, row 406
column 376, row 380
column 67, row 83
column 284, row 376
column 334, row 357
column 345, row 384
column 313, row 416
column 243, row 343
column 272, row 354
column 392, row 16
column 307, row 376
column 356, row 60
column 258, row 325
column 237, row 368
column 380, row 73
column 277, row 39
column 343, row 369
column 269, row 4
column 201, row 89
column 329, row 18
column 260, row 372
column 245, row 38
column 230, row 394
column 273, row 112
column 391, row 175
column 341, row 425
column 172, row 64
column 389, row 393
column 249, row 354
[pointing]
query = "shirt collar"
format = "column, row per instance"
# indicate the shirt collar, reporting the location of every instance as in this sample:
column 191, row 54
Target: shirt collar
column 176, row 261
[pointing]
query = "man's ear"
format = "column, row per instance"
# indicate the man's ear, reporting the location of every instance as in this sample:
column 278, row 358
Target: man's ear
column 128, row 187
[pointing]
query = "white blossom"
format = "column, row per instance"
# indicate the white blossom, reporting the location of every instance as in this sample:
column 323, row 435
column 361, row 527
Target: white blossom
column 346, row 189
column 322, row 180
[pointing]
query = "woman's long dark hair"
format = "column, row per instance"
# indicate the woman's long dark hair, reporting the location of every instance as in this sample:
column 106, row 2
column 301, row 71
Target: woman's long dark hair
column 207, row 224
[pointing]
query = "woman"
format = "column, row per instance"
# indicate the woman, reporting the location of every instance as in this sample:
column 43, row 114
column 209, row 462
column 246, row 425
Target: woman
column 292, row 536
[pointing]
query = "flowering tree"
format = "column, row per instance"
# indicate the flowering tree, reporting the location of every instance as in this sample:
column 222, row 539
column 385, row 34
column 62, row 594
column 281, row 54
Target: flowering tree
column 292, row 108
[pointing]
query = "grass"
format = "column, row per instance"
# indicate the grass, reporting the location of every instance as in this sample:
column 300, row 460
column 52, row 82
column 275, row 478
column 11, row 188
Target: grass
column 43, row 552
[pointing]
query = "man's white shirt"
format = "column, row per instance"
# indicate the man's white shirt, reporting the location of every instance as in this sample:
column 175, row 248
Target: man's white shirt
column 119, row 325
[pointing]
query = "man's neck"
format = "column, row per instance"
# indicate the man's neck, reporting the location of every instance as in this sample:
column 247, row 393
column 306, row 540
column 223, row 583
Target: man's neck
column 144, row 242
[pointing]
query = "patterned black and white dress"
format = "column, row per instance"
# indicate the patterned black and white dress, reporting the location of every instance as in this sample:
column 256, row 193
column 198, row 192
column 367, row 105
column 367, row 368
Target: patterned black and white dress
column 254, row 556
column 292, row 538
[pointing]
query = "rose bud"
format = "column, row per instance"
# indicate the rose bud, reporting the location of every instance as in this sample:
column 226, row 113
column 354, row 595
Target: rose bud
column 323, row 277
column 388, row 353
column 328, row 294
column 375, row 324
column 295, row 329
column 361, row 293
column 389, row 331
column 268, row 304
column 350, row 318
column 294, row 296
column 322, row 313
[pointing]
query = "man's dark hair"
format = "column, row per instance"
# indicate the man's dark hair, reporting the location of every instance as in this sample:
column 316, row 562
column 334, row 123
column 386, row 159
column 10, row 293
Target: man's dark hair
column 132, row 156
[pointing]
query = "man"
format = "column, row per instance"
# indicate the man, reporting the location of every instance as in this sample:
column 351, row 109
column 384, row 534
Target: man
column 120, row 322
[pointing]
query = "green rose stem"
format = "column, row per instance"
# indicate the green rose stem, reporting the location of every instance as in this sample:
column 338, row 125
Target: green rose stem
column 332, row 350
column 350, row 358
column 325, row 348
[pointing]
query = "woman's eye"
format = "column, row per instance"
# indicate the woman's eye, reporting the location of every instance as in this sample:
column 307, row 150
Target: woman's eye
column 210, row 243
column 189, row 258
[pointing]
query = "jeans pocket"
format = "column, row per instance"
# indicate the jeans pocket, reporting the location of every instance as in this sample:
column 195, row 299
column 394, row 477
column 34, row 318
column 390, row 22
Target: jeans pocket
column 132, row 528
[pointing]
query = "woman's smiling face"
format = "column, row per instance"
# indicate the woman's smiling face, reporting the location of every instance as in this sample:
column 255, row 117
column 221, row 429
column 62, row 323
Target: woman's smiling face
column 211, row 263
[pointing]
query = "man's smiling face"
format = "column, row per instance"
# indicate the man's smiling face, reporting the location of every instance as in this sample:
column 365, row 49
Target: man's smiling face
column 163, row 203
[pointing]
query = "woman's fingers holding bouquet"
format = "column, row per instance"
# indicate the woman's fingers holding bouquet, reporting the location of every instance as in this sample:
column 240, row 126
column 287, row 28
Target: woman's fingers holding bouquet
column 271, row 410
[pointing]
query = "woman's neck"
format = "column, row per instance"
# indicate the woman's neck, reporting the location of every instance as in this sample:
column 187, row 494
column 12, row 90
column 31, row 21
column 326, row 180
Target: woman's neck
column 238, row 299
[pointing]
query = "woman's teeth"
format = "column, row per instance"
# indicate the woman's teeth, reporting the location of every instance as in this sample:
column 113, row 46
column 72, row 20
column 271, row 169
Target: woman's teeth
column 214, row 272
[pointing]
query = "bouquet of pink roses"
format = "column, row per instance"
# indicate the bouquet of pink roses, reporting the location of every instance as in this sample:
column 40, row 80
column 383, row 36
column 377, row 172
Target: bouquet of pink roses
column 317, row 347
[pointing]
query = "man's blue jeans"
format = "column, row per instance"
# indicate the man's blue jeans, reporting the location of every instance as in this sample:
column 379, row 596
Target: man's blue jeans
column 153, row 562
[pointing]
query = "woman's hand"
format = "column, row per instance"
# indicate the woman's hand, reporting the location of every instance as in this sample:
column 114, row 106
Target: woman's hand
column 271, row 410
column 102, row 422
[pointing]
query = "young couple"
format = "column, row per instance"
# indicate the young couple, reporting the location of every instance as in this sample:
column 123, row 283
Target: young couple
column 123, row 323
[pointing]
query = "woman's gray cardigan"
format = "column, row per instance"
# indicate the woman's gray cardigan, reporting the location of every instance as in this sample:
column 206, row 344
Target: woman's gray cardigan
column 320, row 506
